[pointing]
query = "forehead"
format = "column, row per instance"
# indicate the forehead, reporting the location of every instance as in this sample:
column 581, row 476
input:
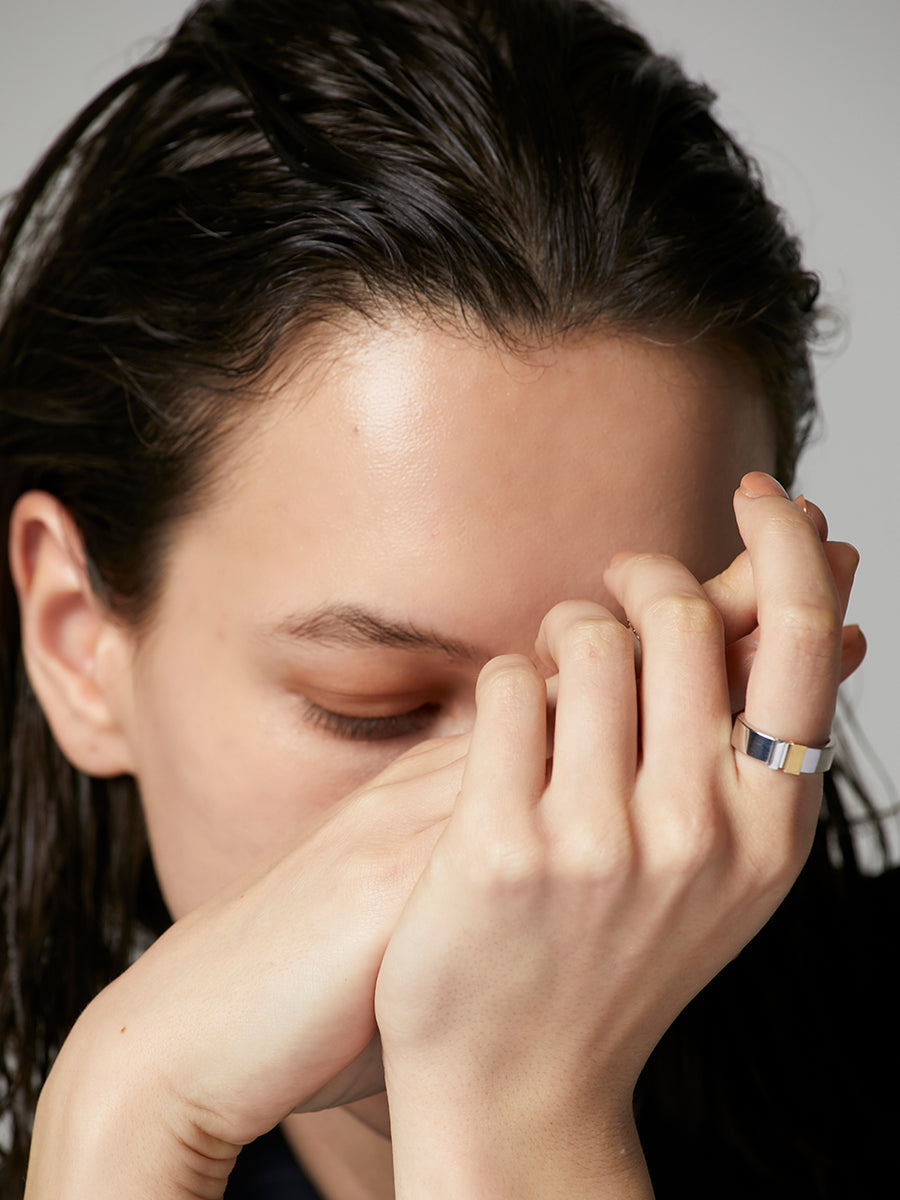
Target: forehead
column 412, row 457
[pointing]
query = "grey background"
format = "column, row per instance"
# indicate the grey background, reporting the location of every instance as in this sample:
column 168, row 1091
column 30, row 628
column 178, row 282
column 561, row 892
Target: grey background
column 811, row 87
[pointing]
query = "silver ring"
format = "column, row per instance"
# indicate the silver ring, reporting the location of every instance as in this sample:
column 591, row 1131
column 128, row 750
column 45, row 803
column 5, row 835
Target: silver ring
column 790, row 757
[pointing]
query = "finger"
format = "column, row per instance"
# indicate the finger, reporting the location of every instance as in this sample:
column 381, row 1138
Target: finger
column 853, row 650
column 685, row 714
column 793, row 681
column 814, row 513
column 595, row 734
column 739, row 658
column 843, row 560
column 734, row 595
column 506, row 764
column 430, row 755
column 732, row 590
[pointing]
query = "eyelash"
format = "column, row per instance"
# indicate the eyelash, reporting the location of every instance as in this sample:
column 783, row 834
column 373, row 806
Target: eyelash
column 371, row 729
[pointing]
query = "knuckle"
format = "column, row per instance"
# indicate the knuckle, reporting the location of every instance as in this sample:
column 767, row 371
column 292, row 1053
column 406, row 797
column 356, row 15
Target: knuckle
column 591, row 638
column 508, row 678
column 696, row 838
column 507, row 865
column 786, row 520
column 683, row 614
column 818, row 624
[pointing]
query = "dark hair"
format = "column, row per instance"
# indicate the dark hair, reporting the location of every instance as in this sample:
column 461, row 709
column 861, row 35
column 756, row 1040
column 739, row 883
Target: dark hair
column 527, row 168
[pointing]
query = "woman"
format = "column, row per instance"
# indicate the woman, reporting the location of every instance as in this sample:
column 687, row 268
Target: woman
column 377, row 378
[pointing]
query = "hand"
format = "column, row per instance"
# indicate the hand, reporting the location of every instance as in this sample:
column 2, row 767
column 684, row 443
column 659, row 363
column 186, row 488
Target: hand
column 257, row 1003
column 563, row 922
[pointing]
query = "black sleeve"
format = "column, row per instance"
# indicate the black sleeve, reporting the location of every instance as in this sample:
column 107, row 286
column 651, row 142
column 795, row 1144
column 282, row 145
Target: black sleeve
column 782, row 1078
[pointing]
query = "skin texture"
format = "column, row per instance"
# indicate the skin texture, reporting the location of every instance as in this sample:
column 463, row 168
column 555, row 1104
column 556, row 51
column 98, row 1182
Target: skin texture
column 477, row 894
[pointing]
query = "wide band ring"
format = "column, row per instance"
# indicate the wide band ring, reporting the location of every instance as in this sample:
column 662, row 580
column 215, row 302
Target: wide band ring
column 790, row 757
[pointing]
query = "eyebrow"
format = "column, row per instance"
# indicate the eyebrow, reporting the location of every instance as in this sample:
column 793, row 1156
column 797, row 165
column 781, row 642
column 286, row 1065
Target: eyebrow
column 350, row 625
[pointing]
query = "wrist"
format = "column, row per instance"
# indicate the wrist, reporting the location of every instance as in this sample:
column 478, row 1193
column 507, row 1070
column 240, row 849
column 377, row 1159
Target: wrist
column 510, row 1148
column 105, row 1131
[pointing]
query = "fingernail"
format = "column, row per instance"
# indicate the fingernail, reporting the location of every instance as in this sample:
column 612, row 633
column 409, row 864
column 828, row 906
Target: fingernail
column 754, row 485
column 800, row 501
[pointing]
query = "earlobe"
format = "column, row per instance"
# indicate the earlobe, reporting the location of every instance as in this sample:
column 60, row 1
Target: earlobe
column 77, row 656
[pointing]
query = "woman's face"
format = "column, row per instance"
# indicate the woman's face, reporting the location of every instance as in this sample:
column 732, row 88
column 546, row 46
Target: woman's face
column 399, row 511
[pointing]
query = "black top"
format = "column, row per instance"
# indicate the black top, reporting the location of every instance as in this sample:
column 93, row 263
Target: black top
column 781, row 1080
column 266, row 1170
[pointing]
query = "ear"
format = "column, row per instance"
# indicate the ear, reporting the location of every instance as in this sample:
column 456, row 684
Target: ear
column 77, row 657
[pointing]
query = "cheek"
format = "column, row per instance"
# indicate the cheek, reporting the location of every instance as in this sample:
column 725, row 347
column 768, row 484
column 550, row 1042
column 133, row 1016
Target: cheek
column 714, row 543
column 225, row 784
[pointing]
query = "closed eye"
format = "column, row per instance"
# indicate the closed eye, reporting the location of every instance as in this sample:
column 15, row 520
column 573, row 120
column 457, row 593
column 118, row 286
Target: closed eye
column 371, row 729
